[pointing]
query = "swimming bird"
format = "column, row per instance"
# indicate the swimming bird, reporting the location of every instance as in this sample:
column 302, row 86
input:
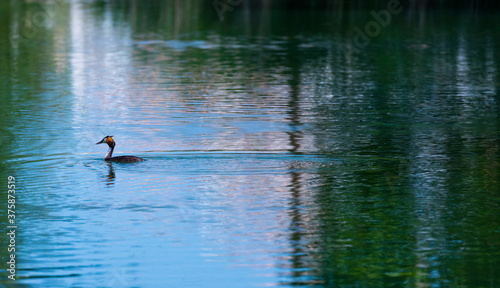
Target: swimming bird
column 111, row 143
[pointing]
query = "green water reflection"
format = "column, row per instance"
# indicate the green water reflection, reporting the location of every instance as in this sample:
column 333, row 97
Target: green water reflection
column 279, row 150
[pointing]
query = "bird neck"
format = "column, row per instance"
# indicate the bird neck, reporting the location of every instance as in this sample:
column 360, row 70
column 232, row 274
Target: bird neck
column 110, row 152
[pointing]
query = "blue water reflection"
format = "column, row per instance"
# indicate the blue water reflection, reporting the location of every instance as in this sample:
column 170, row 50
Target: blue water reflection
column 225, row 221
column 271, row 158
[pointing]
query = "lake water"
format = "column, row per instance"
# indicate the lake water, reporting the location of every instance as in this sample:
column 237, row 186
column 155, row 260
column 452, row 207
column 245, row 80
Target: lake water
column 282, row 147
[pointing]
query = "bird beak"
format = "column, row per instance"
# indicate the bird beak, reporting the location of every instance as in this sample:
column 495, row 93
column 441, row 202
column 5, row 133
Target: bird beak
column 100, row 142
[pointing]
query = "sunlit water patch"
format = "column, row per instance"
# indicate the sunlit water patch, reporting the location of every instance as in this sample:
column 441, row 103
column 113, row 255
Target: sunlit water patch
column 229, row 212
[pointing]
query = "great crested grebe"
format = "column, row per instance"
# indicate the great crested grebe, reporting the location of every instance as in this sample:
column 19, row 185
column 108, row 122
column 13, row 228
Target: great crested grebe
column 111, row 143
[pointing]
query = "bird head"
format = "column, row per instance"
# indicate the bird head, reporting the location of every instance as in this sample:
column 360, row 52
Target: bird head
column 108, row 140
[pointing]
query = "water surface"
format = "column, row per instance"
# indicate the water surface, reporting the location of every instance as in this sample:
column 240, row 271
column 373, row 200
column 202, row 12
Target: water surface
column 276, row 154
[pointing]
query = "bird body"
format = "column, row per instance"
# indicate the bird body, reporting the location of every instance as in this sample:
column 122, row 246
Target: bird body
column 123, row 159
